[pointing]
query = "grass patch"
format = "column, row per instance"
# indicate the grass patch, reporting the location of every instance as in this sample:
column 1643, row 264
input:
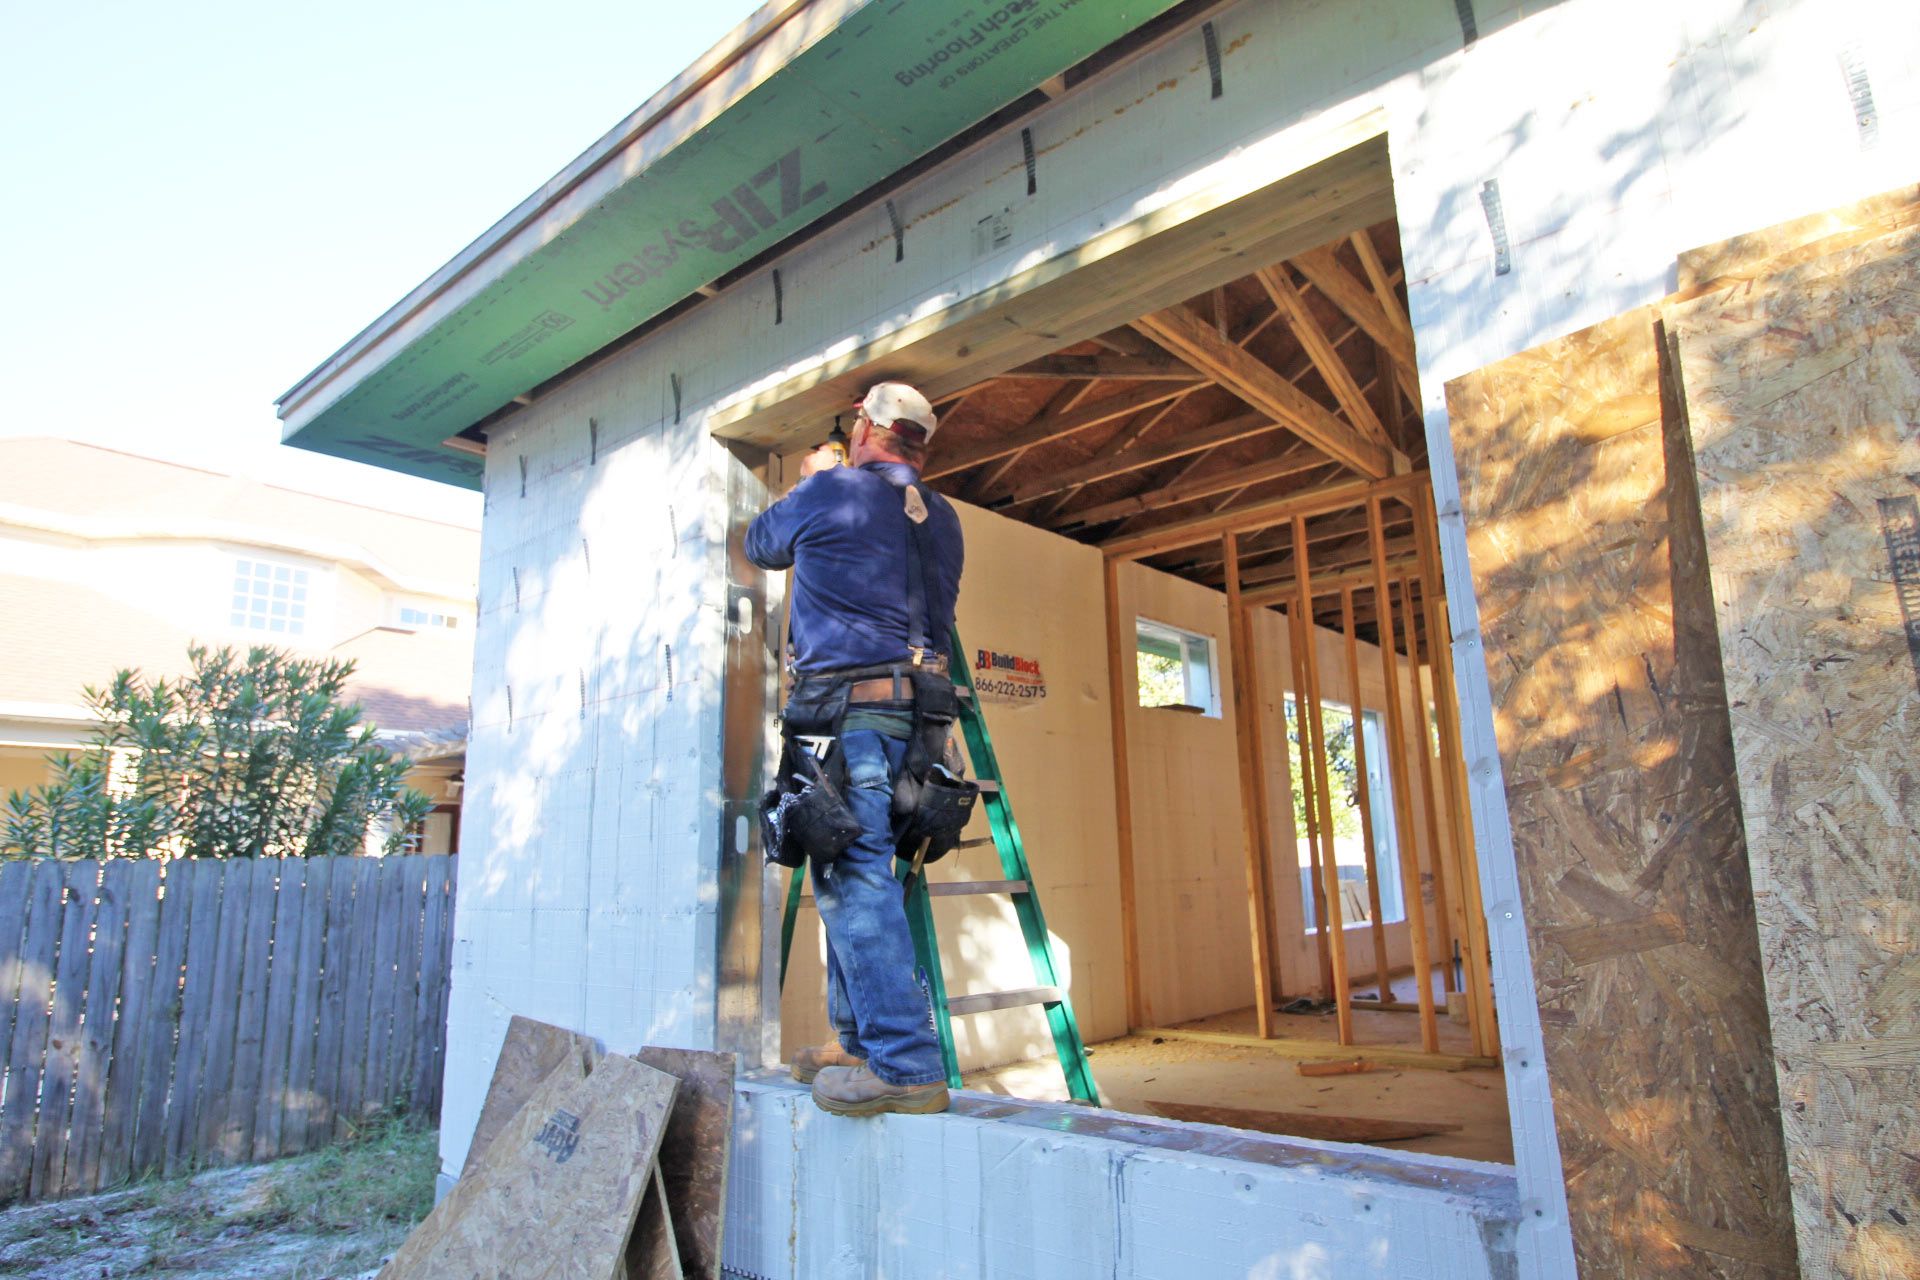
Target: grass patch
column 333, row 1212
column 381, row 1177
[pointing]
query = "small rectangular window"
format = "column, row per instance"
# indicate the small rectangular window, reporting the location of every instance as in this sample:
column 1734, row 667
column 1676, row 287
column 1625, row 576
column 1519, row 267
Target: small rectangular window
column 269, row 597
column 1176, row 668
column 411, row 617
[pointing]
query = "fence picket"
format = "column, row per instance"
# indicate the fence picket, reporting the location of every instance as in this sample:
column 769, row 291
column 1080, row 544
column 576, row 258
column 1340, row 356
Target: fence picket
column 351, row 1091
column 433, row 975
column 332, row 1014
column 162, row 1028
column 63, row 1034
column 243, row 1090
column 391, row 879
column 203, row 881
column 101, row 1001
column 120, row 1102
column 443, row 986
column 276, row 1021
column 224, row 1007
column 412, row 897
column 303, row 1034
column 13, row 934
column 26, row 1065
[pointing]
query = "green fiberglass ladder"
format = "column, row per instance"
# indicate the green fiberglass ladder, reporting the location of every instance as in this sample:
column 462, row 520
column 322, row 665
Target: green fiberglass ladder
column 1048, row 992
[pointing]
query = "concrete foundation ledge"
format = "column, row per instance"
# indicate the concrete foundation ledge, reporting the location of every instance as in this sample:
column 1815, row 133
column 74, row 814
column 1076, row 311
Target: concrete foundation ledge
column 998, row 1188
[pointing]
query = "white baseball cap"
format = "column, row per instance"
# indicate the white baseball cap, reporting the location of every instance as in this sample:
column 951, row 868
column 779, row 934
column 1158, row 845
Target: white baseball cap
column 895, row 405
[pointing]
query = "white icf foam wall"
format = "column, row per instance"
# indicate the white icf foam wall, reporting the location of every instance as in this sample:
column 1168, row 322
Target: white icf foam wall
column 1030, row 1191
column 1616, row 133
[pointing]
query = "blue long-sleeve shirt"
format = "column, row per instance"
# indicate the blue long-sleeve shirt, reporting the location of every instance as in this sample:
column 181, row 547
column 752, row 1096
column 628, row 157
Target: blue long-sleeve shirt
column 844, row 533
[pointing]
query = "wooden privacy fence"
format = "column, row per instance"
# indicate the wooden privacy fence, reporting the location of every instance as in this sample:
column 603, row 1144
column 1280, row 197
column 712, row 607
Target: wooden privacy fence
column 159, row 1016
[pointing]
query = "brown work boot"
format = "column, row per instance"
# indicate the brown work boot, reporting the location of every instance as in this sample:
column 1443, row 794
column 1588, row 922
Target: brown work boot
column 856, row 1091
column 807, row 1062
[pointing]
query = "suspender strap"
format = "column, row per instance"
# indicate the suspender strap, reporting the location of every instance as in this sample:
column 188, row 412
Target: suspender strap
column 920, row 625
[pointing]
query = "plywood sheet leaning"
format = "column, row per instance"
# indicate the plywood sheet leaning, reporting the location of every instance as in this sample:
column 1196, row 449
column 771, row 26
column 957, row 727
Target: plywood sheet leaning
column 653, row 1253
column 694, row 1153
column 1618, row 769
column 528, row 1056
column 1803, row 398
column 557, row 1192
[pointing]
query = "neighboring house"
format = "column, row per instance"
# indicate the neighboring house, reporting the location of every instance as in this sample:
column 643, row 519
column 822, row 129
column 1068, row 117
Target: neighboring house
column 112, row 560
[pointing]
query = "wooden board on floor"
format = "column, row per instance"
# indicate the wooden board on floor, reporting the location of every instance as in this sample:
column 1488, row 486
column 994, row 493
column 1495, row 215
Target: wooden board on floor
column 694, row 1152
column 1304, row 1124
column 1803, row 395
column 1383, row 1055
column 557, row 1192
column 529, row 1054
column 1617, row 761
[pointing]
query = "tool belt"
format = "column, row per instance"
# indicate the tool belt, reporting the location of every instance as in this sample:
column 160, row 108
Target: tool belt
column 805, row 814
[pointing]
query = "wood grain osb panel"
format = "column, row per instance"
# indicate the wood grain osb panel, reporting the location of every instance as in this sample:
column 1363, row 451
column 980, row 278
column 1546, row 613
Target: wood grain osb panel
column 557, row 1192
column 1803, row 397
column 694, row 1152
column 1617, row 756
column 528, row 1055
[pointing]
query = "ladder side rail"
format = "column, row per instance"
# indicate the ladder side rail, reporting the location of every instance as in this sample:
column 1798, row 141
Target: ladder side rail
column 1013, row 861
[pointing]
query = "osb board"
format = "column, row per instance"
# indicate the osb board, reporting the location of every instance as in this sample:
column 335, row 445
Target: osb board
column 557, row 1192
column 1618, row 768
column 1772, row 249
column 528, row 1055
column 1803, row 396
column 693, row 1152
column 654, row 1252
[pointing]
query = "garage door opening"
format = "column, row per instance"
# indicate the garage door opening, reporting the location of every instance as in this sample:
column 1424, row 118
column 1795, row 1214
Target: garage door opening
column 1207, row 532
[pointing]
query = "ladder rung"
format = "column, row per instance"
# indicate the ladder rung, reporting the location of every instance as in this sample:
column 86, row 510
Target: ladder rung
column 963, row 693
column 988, row 1001
column 978, row 842
column 988, row 786
column 965, row 888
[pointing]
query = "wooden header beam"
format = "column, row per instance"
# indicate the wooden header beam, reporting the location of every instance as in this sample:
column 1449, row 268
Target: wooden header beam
column 1193, row 340
column 1198, row 529
column 1329, row 584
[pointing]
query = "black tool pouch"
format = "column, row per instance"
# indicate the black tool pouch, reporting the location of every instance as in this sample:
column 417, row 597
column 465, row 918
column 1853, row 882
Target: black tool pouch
column 932, row 803
column 805, row 815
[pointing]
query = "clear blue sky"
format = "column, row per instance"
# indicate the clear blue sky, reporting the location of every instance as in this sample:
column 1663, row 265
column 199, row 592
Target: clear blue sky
column 201, row 201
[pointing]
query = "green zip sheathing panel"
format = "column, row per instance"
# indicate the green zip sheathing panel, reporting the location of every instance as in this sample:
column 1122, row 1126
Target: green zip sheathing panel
column 886, row 86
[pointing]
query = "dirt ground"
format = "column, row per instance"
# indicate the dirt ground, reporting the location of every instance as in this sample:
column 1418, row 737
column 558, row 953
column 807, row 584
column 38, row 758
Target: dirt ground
column 332, row 1215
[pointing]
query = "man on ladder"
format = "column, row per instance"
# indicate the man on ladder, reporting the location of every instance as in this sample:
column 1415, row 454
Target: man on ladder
column 876, row 559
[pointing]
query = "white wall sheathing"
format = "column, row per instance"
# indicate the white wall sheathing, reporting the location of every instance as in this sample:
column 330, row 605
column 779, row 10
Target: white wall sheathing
column 587, row 893
column 1027, row 1193
column 1619, row 133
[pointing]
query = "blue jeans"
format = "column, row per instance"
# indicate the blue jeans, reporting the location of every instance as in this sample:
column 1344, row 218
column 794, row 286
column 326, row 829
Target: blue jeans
column 874, row 996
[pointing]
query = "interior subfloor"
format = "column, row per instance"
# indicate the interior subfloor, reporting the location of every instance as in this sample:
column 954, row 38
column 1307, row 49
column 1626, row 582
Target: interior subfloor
column 1147, row 1075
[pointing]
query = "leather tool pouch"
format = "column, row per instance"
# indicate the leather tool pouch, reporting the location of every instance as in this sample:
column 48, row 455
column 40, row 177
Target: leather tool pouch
column 805, row 815
column 932, row 802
